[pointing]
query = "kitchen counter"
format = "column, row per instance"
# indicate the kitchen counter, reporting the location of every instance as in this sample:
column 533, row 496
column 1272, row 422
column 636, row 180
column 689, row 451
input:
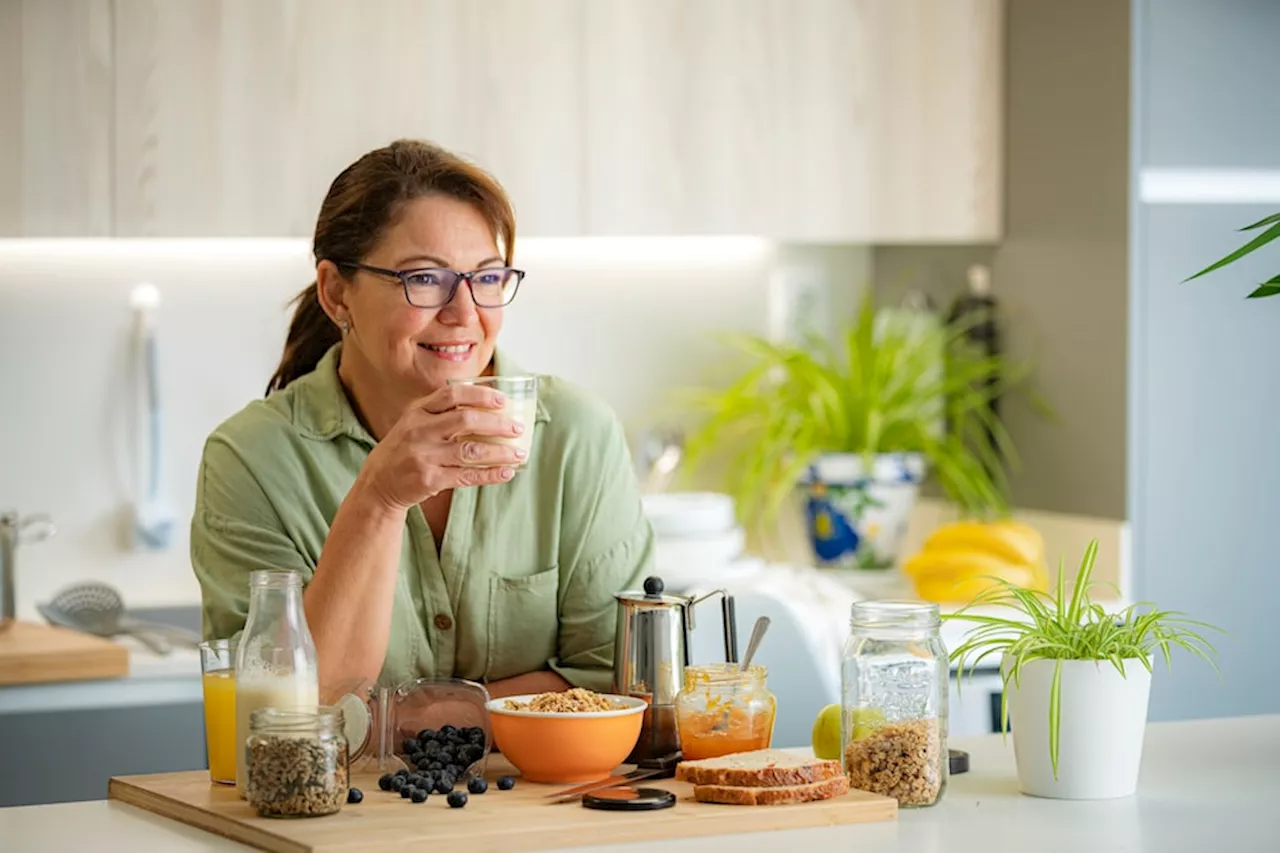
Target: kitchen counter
column 1206, row 784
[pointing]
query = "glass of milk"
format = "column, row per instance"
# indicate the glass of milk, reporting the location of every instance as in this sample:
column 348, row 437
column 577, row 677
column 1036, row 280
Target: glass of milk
column 521, row 395
column 276, row 660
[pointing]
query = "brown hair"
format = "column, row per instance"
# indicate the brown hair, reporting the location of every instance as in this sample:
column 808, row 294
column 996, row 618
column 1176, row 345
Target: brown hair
column 362, row 202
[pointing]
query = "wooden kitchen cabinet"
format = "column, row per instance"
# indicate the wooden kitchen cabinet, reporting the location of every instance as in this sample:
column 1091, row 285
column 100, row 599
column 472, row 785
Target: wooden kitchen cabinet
column 55, row 118
column 827, row 120
column 234, row 117
column 863, row 121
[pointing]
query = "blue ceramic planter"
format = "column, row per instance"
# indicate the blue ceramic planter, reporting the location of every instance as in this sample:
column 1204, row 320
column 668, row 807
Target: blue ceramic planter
column 856, row 518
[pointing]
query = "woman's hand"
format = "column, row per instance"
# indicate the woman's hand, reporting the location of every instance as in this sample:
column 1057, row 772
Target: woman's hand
column 432, row 448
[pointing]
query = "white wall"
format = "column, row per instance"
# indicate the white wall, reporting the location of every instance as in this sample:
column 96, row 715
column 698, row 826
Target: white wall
column 632, row 319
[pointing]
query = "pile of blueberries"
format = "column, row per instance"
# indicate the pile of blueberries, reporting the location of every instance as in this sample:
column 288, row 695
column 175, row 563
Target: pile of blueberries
column 441, row 759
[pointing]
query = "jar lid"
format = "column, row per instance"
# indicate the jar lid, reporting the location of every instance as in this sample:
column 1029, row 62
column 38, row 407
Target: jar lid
column 629, row 799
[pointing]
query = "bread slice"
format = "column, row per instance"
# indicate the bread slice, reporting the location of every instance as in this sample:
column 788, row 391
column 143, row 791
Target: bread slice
column 749, row 796
column 761, row 768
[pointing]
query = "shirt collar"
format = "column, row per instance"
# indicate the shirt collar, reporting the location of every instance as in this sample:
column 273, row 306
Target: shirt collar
column 323, row 411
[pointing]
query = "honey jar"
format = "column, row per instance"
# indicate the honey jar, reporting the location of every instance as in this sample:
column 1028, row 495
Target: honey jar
column 723, row 709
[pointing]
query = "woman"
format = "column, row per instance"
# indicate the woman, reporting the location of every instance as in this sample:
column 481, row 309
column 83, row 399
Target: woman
column 351, row 470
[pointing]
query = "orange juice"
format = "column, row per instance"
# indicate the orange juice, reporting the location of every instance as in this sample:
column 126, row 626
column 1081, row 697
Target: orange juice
column 220, row 725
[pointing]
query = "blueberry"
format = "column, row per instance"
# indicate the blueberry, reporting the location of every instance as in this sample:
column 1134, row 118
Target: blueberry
column 475, row 735
column 407, row 791
column 431, row 747
column 506, row 783
column 398, row 783
column 385, row 781
column 435, row 765
column 402, row 773
column 354, row 795
column 419, row 795
column 424, row 763
column 427, row 735
column 409, row 745
column 448, row 731
column 457, row 799
column 477, row 785
column 415, row 779
column 444, row 786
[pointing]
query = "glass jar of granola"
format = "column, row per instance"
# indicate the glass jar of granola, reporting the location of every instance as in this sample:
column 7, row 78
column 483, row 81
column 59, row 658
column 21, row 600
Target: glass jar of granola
column 894, row 700
column 723, row 709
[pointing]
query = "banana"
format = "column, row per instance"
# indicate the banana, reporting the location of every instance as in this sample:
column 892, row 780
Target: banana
column 1013, row 540
column 959, row 560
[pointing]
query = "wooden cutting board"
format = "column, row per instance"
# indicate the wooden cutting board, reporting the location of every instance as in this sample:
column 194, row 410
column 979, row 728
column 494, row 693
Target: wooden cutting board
column 495, row 822
column 31, row 653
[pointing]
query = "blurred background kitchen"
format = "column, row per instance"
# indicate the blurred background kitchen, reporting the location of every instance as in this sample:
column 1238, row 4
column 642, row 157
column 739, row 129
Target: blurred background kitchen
column 680, row 169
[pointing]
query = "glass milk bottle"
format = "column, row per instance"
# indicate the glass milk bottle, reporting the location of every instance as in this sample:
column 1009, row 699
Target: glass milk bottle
column 276, row 662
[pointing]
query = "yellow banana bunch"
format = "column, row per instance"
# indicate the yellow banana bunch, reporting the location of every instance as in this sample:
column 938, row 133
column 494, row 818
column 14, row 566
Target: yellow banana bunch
column 958, row 560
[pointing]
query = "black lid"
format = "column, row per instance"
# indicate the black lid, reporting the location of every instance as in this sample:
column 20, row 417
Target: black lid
column 958, row 761
column 629, row 799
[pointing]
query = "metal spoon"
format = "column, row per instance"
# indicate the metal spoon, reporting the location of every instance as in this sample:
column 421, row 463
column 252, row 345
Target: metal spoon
column 757, row 634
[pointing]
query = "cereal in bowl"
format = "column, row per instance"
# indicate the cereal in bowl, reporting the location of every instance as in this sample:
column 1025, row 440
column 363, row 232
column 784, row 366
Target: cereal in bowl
column 573, row 701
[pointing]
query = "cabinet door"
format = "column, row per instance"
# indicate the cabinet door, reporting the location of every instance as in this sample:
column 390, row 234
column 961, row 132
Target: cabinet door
column 55, row 115
column 827, row 120
column 938, row 131
column 680, row 116
column 235, row 116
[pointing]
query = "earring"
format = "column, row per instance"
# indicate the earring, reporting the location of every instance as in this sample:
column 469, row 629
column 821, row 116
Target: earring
column 346, row 326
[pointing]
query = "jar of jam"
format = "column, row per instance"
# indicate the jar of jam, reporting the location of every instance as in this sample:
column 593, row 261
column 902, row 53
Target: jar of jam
column 723, row 709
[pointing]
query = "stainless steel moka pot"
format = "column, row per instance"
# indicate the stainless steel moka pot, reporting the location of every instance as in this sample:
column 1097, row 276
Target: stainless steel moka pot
column 650, row 652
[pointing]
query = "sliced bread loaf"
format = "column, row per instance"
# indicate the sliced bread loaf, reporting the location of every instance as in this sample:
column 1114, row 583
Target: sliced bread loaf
column 751, row 796
column 761, row 768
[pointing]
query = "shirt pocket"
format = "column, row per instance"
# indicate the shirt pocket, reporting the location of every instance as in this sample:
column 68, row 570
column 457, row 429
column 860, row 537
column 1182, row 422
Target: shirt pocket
column 524, row 623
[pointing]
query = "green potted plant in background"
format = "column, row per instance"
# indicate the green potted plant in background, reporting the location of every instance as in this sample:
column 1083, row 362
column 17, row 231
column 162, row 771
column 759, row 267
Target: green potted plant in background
column 1077, row 680
column 858, row 422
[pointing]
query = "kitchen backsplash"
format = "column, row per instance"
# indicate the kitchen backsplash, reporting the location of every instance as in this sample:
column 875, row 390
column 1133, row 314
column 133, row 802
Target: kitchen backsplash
column 632, row 319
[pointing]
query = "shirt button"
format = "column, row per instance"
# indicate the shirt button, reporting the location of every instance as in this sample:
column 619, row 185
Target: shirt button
column 443, row 622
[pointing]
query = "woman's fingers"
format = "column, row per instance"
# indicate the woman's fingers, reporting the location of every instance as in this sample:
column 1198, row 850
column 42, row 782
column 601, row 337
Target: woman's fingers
column 454, row 396
column 485, row 454
column 457, row 477
column 460, row 423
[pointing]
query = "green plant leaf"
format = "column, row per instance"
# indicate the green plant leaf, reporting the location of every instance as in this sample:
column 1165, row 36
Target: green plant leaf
column 1267, row 220
column 1253, row 245
column 1271, row 288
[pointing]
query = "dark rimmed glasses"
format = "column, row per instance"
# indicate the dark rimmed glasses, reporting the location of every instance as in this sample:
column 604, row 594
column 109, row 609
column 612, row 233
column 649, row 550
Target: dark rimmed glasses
column 434, row 287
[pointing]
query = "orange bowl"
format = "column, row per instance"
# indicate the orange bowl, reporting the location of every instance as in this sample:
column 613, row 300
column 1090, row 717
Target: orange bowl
column 570, row 747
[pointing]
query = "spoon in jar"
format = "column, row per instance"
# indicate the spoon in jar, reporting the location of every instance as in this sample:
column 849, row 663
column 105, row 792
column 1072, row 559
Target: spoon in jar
column 757, row 634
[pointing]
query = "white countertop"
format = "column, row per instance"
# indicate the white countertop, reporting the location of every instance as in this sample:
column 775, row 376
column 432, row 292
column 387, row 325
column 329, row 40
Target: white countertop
column 1206, row 785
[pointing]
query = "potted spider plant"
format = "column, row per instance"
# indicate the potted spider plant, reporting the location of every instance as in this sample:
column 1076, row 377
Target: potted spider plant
column 1077, row 679
column 858, row 422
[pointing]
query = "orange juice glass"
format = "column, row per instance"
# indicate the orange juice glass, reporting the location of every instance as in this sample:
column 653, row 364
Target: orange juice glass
column 218, row 665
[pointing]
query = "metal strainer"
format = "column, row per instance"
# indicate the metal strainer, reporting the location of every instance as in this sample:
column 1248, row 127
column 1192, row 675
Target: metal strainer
column 97, row 608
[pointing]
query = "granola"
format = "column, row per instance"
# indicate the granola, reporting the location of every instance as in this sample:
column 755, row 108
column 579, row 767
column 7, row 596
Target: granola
column 574, row 700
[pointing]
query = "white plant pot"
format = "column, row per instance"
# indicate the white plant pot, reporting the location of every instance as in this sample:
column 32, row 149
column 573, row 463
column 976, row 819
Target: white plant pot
column 1100, row 733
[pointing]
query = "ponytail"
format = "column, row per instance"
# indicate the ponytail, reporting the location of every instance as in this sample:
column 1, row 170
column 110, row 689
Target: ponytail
column 311, row 335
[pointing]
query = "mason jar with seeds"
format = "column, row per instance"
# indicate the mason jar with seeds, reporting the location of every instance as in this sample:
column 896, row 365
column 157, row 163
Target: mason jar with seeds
column 296, row 761
column 894, row 701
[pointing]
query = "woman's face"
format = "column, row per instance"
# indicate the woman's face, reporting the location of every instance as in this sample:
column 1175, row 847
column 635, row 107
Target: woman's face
column 414, row 351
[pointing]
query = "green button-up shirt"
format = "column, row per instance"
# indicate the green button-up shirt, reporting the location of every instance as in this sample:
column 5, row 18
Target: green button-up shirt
column 526, row 572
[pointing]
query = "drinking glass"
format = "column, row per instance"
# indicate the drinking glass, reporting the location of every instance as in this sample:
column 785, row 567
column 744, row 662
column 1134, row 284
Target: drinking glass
column 218, row 668
column 521, row 405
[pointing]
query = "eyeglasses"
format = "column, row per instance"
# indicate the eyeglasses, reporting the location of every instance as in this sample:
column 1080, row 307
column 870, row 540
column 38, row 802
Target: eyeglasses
column 434, row 287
